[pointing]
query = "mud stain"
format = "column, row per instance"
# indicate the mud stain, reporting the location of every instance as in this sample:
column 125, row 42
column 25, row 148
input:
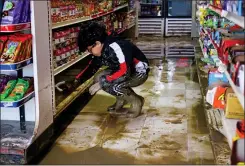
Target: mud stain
column 197, row 118
column 94, row 155
column 174, row 121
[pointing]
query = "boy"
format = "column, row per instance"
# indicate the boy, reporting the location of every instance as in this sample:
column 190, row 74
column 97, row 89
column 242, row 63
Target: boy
column 127, row 67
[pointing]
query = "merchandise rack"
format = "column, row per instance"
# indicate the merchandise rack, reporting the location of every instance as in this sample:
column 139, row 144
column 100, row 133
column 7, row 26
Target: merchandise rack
column 229, row 126
column 239, row 20
column 38, row 110
column 87, row 18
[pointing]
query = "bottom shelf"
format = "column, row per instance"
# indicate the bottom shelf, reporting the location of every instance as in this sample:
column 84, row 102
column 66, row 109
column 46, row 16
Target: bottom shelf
column 14, row 142
column 68, row 100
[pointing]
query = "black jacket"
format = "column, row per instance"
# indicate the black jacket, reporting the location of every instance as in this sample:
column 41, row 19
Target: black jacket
column 122, row 57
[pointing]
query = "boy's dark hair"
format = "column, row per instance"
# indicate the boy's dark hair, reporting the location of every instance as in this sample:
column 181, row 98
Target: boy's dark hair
column 90, row 33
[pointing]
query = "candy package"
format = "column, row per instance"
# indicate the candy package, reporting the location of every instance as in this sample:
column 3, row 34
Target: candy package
column 8, row 89
column 3, row 40
column 12, row 12
column 19, row 90
column 17, row 48
column 4, row 80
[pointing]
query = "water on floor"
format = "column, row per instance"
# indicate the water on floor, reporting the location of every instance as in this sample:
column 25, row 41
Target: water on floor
column 171, row 129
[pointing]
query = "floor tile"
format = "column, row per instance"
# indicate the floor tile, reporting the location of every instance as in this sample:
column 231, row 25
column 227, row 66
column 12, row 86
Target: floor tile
column 176, row 102
column 162, row 141
column 79, row 138
column 201, row 158
column 199, row 143
column 193, row 94
column 173, row 93
column 167, row 125
column 156, row 156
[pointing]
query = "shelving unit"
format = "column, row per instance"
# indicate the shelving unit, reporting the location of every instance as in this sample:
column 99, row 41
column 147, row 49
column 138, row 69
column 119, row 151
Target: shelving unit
column 14, row 27
column 38, row 110
column 83, row 19
column 239, row 20
column 229, row 125
column 69, row 64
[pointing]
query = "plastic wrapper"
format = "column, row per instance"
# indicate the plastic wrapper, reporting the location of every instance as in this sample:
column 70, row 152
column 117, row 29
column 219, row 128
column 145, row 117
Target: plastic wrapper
column 19, row 90
column 17, row 48
column 4, row 80
column 12, row 12
column 8, row 89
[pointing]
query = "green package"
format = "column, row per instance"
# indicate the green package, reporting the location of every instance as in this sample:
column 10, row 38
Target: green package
column 8, row 89
column 19, row 90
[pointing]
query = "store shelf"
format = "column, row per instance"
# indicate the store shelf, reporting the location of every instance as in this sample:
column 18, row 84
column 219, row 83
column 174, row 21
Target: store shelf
column 130, row 26
column 223, row 68
column 229, row 128
column 153, row 4
column 67, row 101
column 15, row 27
column 236, row 89
column 15, row 104
column 15, row 66
column 131, row 11
column 239, row 20
column 69, row 64
column 83, row 19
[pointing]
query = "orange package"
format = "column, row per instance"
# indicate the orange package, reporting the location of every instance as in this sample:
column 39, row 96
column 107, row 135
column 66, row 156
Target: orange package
column 219, row 98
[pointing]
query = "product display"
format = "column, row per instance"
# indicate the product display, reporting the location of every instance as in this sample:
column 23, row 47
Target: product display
column 222, row 42
column 15, row 12
column 62, row 10
column 16, row 48
column 15, row 89
column 65, row 47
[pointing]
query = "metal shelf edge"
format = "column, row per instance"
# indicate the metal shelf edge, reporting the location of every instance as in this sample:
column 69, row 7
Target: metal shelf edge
column 16, row 66
column 68, row 64
column 15, row 104
column 83, row 19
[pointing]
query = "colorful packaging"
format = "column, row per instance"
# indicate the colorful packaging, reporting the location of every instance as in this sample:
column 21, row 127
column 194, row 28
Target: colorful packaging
column 3, row 40
column 17, row 48
column 233, row 109
column 216, row 78
column 8, row 89
column 13, row 12
column 19, row 90
column 4, row 80
column 216, row 97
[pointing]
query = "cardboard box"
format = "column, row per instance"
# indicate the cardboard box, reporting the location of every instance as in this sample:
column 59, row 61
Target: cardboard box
column 233, row 109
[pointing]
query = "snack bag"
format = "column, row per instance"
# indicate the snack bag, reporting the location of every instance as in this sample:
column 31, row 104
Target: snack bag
column 19, row 90
column 12, row 12
column 4, row 80
column 3, row 40
column 8, row 89
column 216, row 97
column 233, row 109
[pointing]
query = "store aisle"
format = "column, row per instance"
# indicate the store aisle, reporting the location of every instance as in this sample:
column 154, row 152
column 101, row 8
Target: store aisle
column 171, row 130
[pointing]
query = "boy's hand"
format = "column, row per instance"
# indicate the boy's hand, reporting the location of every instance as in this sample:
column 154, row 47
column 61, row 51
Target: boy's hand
column 94, row 88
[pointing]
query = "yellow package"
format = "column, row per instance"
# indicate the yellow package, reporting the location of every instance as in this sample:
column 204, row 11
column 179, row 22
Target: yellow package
column 233, row 109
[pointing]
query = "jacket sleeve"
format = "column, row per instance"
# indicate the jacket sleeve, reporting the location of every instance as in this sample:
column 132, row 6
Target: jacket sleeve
column 117, row 51
column 91, row 69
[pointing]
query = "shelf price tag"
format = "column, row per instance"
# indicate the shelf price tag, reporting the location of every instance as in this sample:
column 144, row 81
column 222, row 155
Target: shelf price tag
column 8, row 104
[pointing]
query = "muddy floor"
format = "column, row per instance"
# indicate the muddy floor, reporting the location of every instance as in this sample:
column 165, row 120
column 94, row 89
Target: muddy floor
column 171, row 129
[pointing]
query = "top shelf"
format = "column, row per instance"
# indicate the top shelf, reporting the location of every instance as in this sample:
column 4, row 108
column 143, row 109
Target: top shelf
column 239, row 20
column 83, row 19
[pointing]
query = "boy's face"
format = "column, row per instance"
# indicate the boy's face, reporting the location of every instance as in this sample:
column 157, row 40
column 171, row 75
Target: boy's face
column 96, row 48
